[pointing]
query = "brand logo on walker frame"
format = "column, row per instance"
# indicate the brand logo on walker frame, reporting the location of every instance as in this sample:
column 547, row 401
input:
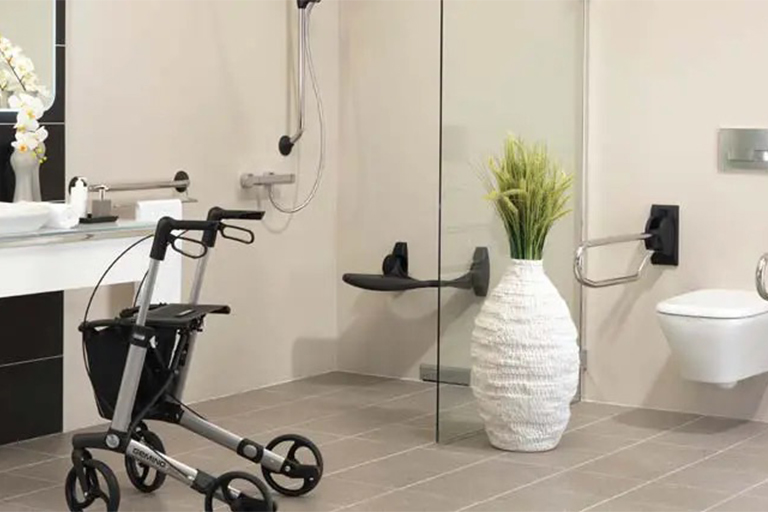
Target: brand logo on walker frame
column 155, row 461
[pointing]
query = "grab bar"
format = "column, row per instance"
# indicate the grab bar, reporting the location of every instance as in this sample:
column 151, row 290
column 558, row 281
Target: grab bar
column 180, row 182
column 661, row 237
column 760, row 276
column 578, row 266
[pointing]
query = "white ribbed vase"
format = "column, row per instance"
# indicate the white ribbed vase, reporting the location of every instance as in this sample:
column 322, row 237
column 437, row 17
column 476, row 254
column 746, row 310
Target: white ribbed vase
column 525, row 358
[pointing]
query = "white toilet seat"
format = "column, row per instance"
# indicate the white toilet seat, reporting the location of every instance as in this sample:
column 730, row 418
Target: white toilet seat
column 716, row 304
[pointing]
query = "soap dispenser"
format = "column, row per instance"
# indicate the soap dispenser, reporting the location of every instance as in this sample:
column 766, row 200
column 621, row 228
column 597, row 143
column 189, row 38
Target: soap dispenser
column 78, row 197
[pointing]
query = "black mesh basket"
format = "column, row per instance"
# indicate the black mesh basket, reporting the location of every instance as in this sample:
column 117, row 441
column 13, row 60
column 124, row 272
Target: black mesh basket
column 106, row 349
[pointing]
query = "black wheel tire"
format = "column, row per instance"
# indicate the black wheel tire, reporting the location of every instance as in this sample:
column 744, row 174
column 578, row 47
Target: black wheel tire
column 92, row 469
column 138, row 472
column 298, row 442
column 222, row 484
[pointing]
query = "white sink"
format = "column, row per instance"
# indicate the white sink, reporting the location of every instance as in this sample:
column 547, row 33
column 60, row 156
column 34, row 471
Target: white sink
column 22, row 217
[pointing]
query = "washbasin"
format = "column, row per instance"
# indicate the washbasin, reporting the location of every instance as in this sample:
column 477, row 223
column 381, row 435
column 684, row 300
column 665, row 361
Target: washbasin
column 22, row 217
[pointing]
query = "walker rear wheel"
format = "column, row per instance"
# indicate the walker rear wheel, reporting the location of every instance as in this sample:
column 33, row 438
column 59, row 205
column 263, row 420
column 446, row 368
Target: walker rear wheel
column 142, row 476
column 303, row 467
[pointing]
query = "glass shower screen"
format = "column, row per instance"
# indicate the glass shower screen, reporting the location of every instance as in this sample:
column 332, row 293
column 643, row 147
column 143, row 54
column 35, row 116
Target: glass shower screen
column 509, row 67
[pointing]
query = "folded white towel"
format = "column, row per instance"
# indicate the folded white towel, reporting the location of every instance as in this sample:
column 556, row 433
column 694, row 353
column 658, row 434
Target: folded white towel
column 62, row 216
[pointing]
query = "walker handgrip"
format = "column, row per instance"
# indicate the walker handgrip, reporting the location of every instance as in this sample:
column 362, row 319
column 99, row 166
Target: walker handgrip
column 216, row 213
column 167, row 225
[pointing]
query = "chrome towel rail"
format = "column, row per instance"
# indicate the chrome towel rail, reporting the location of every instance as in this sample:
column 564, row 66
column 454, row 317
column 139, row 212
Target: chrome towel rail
column 661, row 238
column 760, row 276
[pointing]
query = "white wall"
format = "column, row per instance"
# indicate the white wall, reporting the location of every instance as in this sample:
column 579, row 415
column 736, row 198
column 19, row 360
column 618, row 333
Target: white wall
column 665, row 75
column 153, row 87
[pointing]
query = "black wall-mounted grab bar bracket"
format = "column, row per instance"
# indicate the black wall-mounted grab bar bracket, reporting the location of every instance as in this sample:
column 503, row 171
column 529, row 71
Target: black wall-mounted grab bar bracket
column 395, row 278
column 664, row 225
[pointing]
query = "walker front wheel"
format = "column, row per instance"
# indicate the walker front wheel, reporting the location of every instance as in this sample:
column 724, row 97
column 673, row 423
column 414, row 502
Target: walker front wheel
column 101, row 485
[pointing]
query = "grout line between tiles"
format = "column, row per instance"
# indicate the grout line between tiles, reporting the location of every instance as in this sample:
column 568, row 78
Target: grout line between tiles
column 577, row 466
column 734, row 496
column 676, row 470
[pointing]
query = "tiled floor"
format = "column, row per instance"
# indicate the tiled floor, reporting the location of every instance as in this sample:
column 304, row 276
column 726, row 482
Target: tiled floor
column 377, row 439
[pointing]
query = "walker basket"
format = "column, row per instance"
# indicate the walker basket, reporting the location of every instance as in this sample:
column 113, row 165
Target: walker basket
column 106, row 348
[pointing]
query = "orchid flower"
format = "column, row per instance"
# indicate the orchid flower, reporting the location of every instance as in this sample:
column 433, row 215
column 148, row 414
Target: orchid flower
column 25, row 142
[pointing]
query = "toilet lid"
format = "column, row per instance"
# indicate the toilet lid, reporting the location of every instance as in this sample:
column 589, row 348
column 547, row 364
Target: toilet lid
column 715, row 304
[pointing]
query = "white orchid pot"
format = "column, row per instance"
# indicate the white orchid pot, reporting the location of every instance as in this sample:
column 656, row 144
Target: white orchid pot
column 525, row 361
column 26, row 167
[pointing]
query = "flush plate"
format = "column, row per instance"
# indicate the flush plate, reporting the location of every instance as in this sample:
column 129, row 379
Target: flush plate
column 743, row 149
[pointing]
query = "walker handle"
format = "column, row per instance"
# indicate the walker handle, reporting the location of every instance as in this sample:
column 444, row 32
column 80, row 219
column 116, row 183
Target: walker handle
column 165, row 227
column 219, row 214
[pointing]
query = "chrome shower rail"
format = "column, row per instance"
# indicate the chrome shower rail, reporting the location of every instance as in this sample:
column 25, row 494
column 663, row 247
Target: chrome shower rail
column 760, row 276
column 578, row 265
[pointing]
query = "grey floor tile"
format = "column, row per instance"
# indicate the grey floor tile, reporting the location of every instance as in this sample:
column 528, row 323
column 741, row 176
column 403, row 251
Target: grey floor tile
column 401, row 435
column 56, row 444
column 663, row 497
column 407, row 468
column 15, row 506
column 405, row 501
column 358, row 422
column 325, row 384
column 639, row 423
column 476, row 443
column 176, row 439
column 350, row 452
column 481, row 481
column 707, row 476
column 12, row 485
column 54, row 470
column 580, row 482
column 241, row 403
column 580, row 421
column 646, row 461
column 319, row 438
column 527, row 501
column 713, row 432
column 347, row 379
column 743, row 503
column 331, row 494
column 742, row 462
column 761, row 489
column 11, row 457
column 597, row 443
column 599, row 409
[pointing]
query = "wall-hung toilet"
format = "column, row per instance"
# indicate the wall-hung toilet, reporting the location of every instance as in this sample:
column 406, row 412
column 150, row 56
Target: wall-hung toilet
column 717, row 336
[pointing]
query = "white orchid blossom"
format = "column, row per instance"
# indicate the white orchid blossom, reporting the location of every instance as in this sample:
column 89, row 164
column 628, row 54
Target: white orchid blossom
column 25, row 142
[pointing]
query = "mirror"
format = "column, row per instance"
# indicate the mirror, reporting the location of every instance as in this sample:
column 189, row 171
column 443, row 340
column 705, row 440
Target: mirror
column 27, row 50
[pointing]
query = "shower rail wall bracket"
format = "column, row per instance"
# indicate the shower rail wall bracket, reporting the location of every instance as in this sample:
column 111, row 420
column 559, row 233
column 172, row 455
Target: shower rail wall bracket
column 661, row 238
column 760, row 276
column 395, row 278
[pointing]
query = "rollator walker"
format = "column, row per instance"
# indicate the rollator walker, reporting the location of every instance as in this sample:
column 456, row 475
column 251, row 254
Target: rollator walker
column 151, row 346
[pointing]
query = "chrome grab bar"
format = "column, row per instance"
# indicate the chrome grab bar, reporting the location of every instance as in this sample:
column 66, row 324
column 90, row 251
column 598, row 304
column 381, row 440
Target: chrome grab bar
column 180, row 182
column 760, row 276
column 578, row 265
column 661, row 239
